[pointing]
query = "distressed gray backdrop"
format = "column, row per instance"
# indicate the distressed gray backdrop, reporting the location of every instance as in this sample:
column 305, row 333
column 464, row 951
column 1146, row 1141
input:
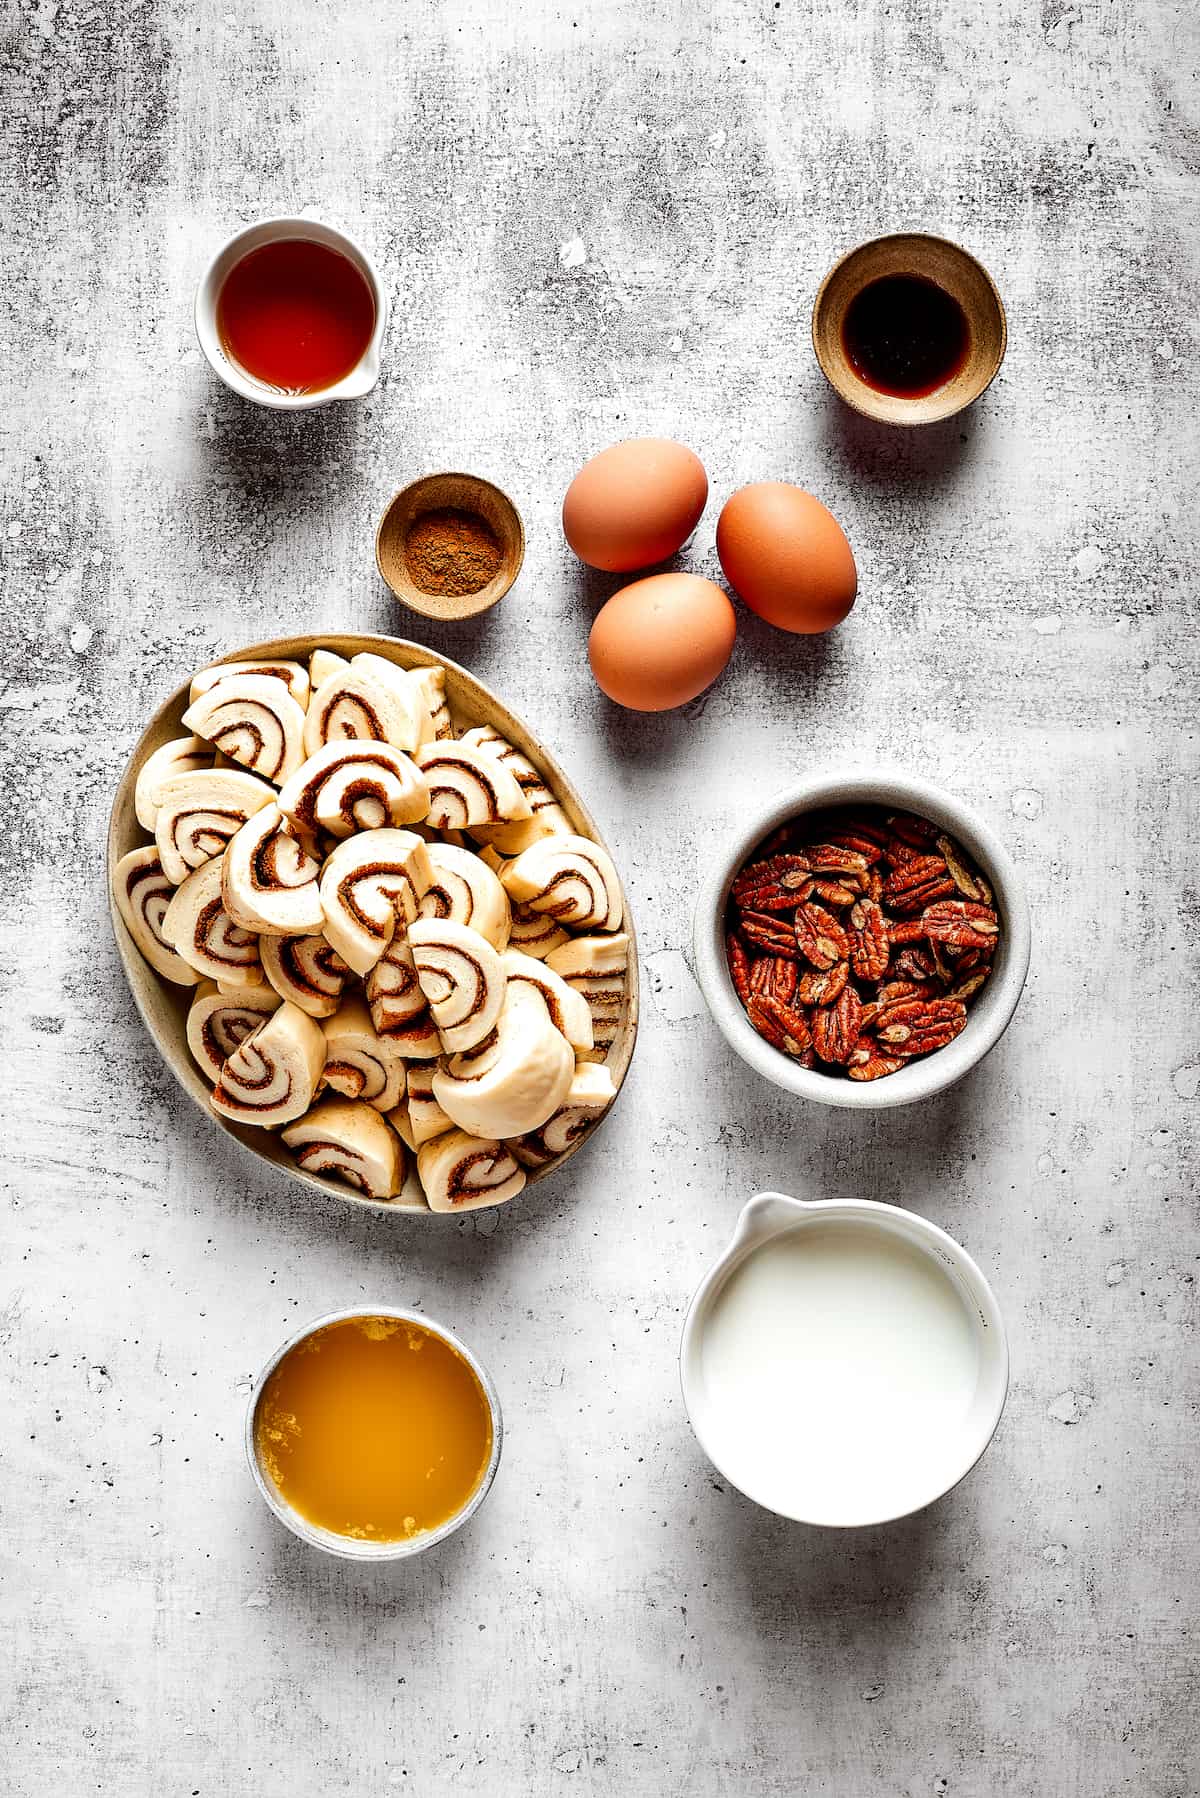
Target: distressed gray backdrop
column 598, row 222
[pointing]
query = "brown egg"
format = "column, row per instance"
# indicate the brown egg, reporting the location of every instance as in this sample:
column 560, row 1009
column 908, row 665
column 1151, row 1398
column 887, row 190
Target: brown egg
column 634, row 504
column 659, row 642
column 787, row 557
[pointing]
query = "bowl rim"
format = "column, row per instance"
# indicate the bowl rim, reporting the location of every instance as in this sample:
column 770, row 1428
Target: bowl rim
column 348, row 1548
column 973, row 1287
column 357, row 381
column 883, row 408
column 986, row 1023
column 167, row 713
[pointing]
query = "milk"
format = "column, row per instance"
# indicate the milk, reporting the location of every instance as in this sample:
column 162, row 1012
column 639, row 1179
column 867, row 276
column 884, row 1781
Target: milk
column 839, row 1365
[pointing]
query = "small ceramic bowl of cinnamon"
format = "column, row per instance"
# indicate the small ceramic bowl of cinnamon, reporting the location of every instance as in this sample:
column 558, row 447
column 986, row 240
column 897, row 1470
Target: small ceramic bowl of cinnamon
column 450, row 545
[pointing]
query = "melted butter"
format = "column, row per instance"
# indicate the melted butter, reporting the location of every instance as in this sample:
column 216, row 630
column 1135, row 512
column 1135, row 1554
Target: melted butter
column 374, row 1428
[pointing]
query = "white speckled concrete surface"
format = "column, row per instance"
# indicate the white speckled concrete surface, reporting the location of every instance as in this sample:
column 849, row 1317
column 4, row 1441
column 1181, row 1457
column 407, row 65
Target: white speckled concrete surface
column 597, row 223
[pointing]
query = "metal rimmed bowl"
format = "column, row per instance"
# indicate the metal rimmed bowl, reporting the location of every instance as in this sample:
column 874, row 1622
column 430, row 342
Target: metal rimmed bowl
column 989, row 1015
column 164, row 1007
column 350, row 1548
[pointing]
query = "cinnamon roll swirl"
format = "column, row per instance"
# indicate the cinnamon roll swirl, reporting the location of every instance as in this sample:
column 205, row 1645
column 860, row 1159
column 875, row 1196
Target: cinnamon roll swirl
column 568, row 878
column 199, row 812
column 468, row 788
column 465, row 889
column 368, row 883
column 462, row 977
column 272, row 1075
column 569, row 1012
column 293, row 675
column 360, row 1063
column 516, row 1079
column 217, row 1022
column 307, row 970
column 182, row 756
column 393, row 990
column 460, row 1172
column 589, row 1095
column 198, row 928
column 596, row 967
column 253, row 719
column 143, row 894
column 546, row 818
column 269, row 881
column 351, row 705
column 343, row 1139
column 533, row 933
column 351, row 786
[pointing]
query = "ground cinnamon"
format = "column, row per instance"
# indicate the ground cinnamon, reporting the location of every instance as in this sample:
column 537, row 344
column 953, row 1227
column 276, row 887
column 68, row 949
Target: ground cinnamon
column 451, row 552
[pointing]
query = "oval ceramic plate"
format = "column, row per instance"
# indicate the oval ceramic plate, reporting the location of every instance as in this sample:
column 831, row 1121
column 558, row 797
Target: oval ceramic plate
column 164, row 1007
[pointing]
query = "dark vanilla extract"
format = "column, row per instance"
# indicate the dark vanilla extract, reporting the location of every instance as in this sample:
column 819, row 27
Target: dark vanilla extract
column 905, row 335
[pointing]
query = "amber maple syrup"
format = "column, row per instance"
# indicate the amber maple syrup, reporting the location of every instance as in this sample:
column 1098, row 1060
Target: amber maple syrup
column 296, row 315
column 906, row 336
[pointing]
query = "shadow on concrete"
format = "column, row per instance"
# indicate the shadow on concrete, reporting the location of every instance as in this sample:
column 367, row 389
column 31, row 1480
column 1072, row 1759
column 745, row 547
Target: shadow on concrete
column 910, row 456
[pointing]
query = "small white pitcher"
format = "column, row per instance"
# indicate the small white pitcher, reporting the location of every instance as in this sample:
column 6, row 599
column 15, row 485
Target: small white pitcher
column 772, row 1214
column 365, row 373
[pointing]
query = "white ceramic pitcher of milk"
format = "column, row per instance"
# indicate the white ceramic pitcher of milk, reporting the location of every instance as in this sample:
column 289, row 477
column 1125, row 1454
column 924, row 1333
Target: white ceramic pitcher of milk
column 844, row 1363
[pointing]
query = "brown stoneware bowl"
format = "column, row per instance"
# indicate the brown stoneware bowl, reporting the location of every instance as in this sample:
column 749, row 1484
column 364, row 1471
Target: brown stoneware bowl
column 458, row 493
column 164, row 1007
column 948, row 267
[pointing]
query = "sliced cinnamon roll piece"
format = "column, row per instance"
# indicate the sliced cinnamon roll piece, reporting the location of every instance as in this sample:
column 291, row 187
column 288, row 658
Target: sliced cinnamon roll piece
column 420, row 1118
column 569, row 1010
column 359, row 1062
column 350, row 786
column 353, row 706
column 432, row 683
column 181, row 756
column 393, row 990
column 269, row 881
column 417, row 1039
column 343, row 1139
column 589, row 1095
column 253, row 719
column 460, row 1172
column 199, row 812
column 321, row 664
column 368, row 883
column 461, row 976
column 468, row 788
column 533, row 933
column 465, row 889
column 217, row 1022
column 411, row 692
column 568, row 878
column 199, row 928
column 143, row 894
column 307, row 970
column 596, row 967
column 547, row 817
column 516, row 1079
column 272, row 1075
column 293, row 674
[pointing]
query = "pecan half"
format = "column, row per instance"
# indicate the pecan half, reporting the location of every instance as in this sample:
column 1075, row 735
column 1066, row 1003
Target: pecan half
column 772, row 977
column 771, row 885
column 967, row 883
column 739, row 966
column 835, row 858
column 821, row 986
column 868, row 1064
column 915, row 1026
column 832, row 892
column 870, row 947
column 835, row 1028
column 770, row 933
column 791, row 1025
column 820, row 937
column 918, row 883
column 961, row 923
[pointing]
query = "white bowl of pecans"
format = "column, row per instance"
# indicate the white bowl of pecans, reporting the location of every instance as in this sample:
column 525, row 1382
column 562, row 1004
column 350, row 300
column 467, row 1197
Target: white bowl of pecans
column 864, row 939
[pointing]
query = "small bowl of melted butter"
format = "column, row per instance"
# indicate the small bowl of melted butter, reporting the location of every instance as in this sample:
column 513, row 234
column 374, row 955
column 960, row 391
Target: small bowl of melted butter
column 373, row 1434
